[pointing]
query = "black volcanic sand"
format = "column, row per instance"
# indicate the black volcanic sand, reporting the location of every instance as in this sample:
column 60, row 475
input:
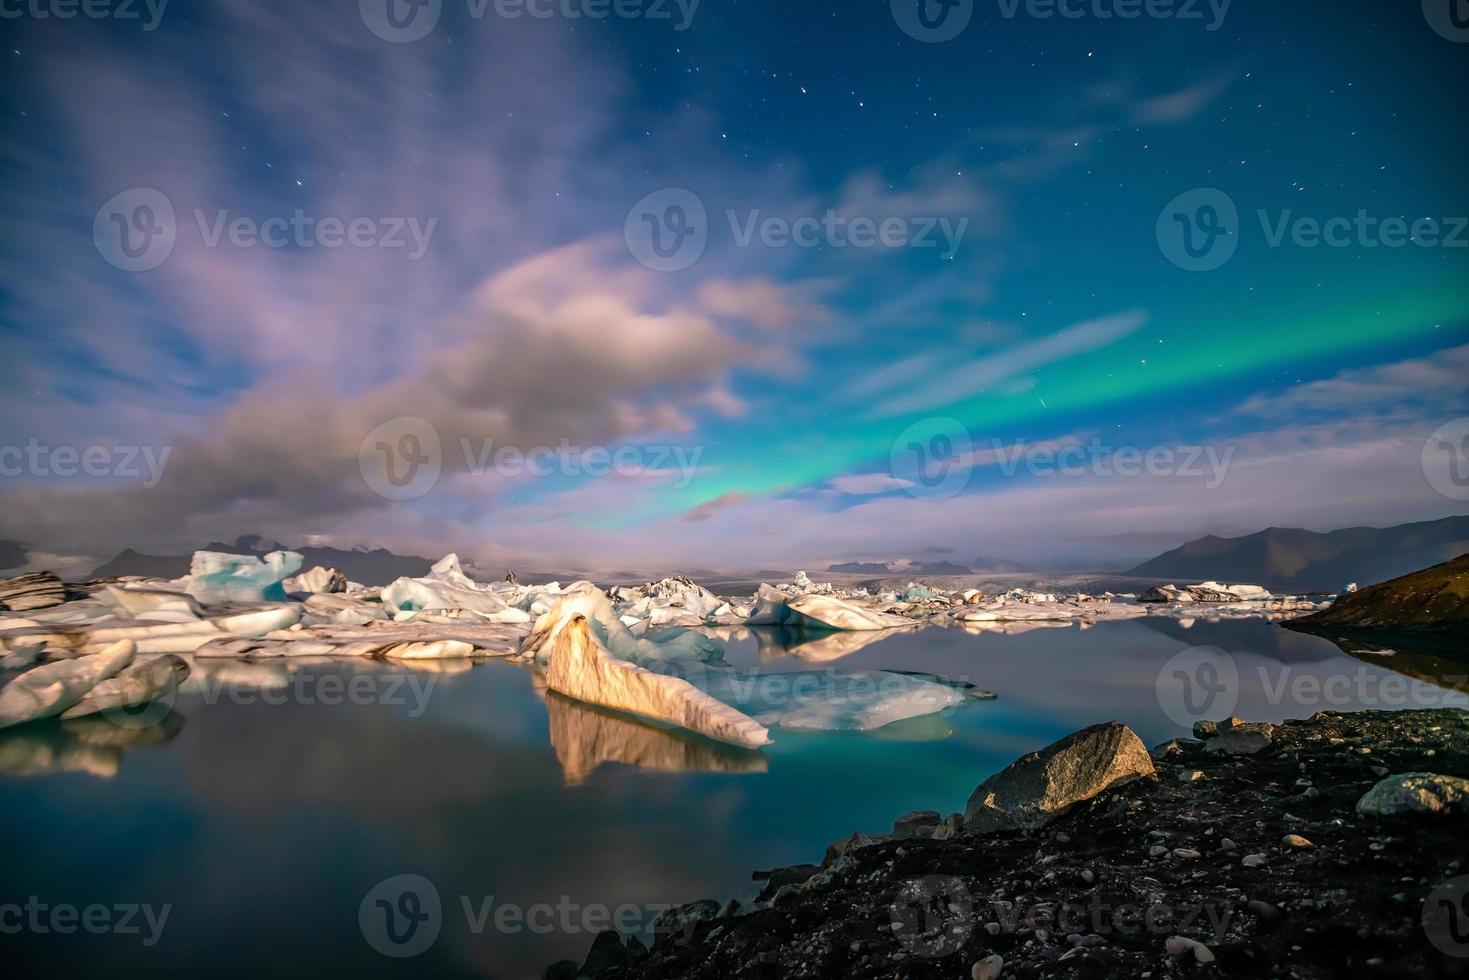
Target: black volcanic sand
column 1098, row 892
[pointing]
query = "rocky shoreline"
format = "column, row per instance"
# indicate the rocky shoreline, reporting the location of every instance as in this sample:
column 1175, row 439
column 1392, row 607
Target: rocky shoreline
column 1295, row 850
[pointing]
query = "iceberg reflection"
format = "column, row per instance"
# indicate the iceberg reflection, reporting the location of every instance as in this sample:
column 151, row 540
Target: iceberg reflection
column 585, row 737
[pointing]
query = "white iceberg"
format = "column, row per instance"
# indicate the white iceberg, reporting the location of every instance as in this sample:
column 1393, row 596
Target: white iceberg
column 816, row 611
column 651, row 646
column 581, row 667
column 446, row 587
column 189, row 636
column 51, row 688
column 216, row 577
column 831, row 700
column 138, row 684
column 318, row 581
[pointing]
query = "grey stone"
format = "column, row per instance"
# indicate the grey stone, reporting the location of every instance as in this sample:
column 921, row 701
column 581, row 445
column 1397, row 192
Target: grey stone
column 1037, row 788
column 1416, row 794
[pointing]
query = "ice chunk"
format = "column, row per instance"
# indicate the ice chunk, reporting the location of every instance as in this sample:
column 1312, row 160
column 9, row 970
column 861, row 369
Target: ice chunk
column 190, row 636
column 447, row 587
column 154, row 605
column 318, row 581
column 218, row 577
column 581, row 667
column 654, row 646
column 829, row 700
column 138, row 684
column 51, row 688
column 822, row 612
column 916, row 592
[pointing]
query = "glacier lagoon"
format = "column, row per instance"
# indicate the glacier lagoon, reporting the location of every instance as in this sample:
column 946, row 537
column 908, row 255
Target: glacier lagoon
column 264, row 809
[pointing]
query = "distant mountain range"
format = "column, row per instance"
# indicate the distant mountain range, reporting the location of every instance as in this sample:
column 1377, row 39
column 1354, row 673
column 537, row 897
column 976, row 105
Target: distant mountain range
column 916, row 567
column 1297, row 560
column 376, row 567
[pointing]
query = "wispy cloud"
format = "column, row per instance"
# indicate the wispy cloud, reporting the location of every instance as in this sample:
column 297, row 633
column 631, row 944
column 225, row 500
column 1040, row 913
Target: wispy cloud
column 968, row 378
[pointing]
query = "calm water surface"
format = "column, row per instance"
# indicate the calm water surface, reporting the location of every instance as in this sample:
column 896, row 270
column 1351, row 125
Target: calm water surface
column 264, row 825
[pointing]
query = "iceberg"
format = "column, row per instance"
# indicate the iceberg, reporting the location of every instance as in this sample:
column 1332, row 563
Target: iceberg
column 652, row 646
column 216, row 577
column 318, row 581
column 580, row 666
column 50, row 689
column 136, row 685
column 816, row 611
column 829, row 700
column 187, row 637
column 446, row 587
column 1207, row 592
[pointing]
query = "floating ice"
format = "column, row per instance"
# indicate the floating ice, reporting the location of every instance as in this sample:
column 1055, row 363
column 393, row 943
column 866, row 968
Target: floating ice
column 137, row 684
column 216, row 577
column 446, row 587
column 580, row 666
column 814, row 611
column 51, row 688
column 829, row 700
column 318, row 580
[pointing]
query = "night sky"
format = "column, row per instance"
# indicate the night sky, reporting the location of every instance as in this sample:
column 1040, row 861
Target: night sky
column 1099, row 235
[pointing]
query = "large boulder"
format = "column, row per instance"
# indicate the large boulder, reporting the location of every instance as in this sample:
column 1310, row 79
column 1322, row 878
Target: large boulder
column 1417, row 793
column 1037, row 788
